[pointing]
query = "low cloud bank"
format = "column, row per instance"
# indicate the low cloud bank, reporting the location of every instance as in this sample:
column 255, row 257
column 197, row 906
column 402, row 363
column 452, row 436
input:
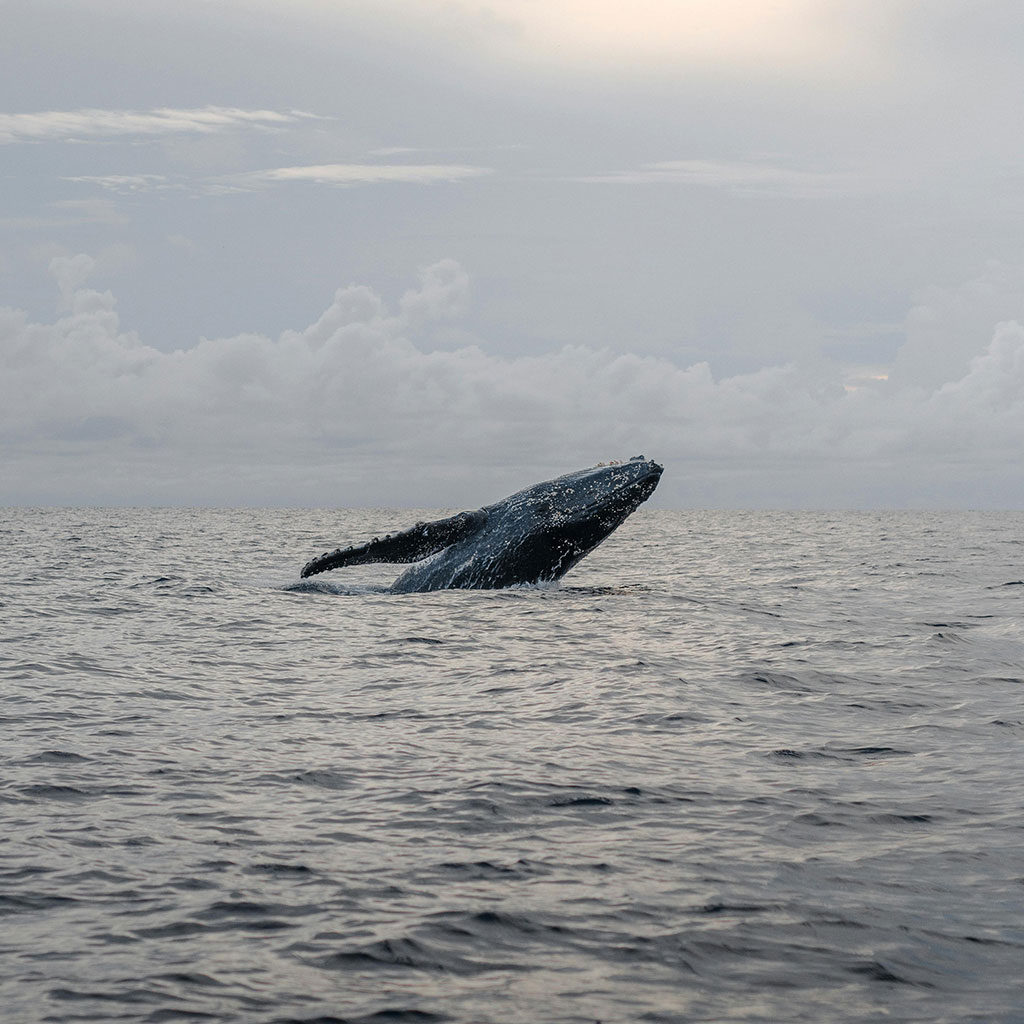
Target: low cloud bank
column 358, row 409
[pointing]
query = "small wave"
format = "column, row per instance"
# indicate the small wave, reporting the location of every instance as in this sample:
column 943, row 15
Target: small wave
column 790, row 754
column 192, row 978
column 849, row 755
column 673, row 721
column 178, row 586
column 283, row 870
column 581, row 801
column 949, row 637
column 335, row 589
column 877, row 971
column 56, row 757
column 902, row 819
column 783, row 681
column 406, row 953
column 173, row 930
column 52, row 792
column 156, row 581
column 736, row 908
column 499, row 919
column 251, row 916
column 389, row 1016
column 607, row 591
column 485, row 870
column 872, row 750
column 323, row 778
column 819, row 820
column 15, row 903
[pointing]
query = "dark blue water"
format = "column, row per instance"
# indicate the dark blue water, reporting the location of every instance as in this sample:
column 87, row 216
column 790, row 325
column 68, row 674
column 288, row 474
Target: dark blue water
column 737, row 767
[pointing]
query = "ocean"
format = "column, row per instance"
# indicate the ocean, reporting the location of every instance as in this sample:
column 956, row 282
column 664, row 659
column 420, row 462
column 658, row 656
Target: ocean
column 737, row 766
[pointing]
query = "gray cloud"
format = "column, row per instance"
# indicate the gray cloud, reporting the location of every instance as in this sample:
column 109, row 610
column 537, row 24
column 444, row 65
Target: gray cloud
column 345, row 175
column 334, row 175
column 357, row 391
column 58, row 125
column 126, row 183
column 751, row 177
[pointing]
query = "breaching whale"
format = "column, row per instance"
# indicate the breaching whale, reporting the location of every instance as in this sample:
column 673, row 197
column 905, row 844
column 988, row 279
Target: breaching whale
column 533, row 536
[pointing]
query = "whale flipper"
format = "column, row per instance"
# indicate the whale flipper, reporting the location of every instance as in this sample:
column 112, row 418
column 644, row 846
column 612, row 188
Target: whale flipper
column 410, row 545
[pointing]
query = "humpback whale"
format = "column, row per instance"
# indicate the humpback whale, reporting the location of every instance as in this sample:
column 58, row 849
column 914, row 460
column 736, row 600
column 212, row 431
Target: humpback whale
column 533, row 536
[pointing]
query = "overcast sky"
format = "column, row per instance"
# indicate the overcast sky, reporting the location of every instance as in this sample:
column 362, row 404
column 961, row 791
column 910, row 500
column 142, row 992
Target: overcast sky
column 424, row 252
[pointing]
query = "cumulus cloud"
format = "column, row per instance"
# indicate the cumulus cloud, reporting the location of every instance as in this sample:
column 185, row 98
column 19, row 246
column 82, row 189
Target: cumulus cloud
column 356, row 409
column 948, row 325
column 91, row 122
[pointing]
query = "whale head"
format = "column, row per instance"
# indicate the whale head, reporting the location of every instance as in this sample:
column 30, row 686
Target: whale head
column 539, row 533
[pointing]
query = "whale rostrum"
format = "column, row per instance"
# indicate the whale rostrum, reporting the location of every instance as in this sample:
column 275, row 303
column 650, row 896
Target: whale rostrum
column 533, row 536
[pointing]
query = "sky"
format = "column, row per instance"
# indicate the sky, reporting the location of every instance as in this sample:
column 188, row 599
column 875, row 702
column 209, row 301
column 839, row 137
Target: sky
column 422, row 253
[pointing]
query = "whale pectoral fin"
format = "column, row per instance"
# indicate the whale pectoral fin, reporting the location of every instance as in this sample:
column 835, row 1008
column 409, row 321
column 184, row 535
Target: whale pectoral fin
column 408, row 546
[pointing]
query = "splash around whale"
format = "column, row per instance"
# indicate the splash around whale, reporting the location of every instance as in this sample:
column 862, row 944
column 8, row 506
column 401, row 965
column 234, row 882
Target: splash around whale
column 533, row 536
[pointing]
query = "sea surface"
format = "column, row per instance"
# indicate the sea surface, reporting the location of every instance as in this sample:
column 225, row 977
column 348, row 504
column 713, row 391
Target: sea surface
column 737, row 766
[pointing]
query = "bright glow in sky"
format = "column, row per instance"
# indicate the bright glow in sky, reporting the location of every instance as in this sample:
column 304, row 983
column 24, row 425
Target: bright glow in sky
column 614, row 32
column 708, row 29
